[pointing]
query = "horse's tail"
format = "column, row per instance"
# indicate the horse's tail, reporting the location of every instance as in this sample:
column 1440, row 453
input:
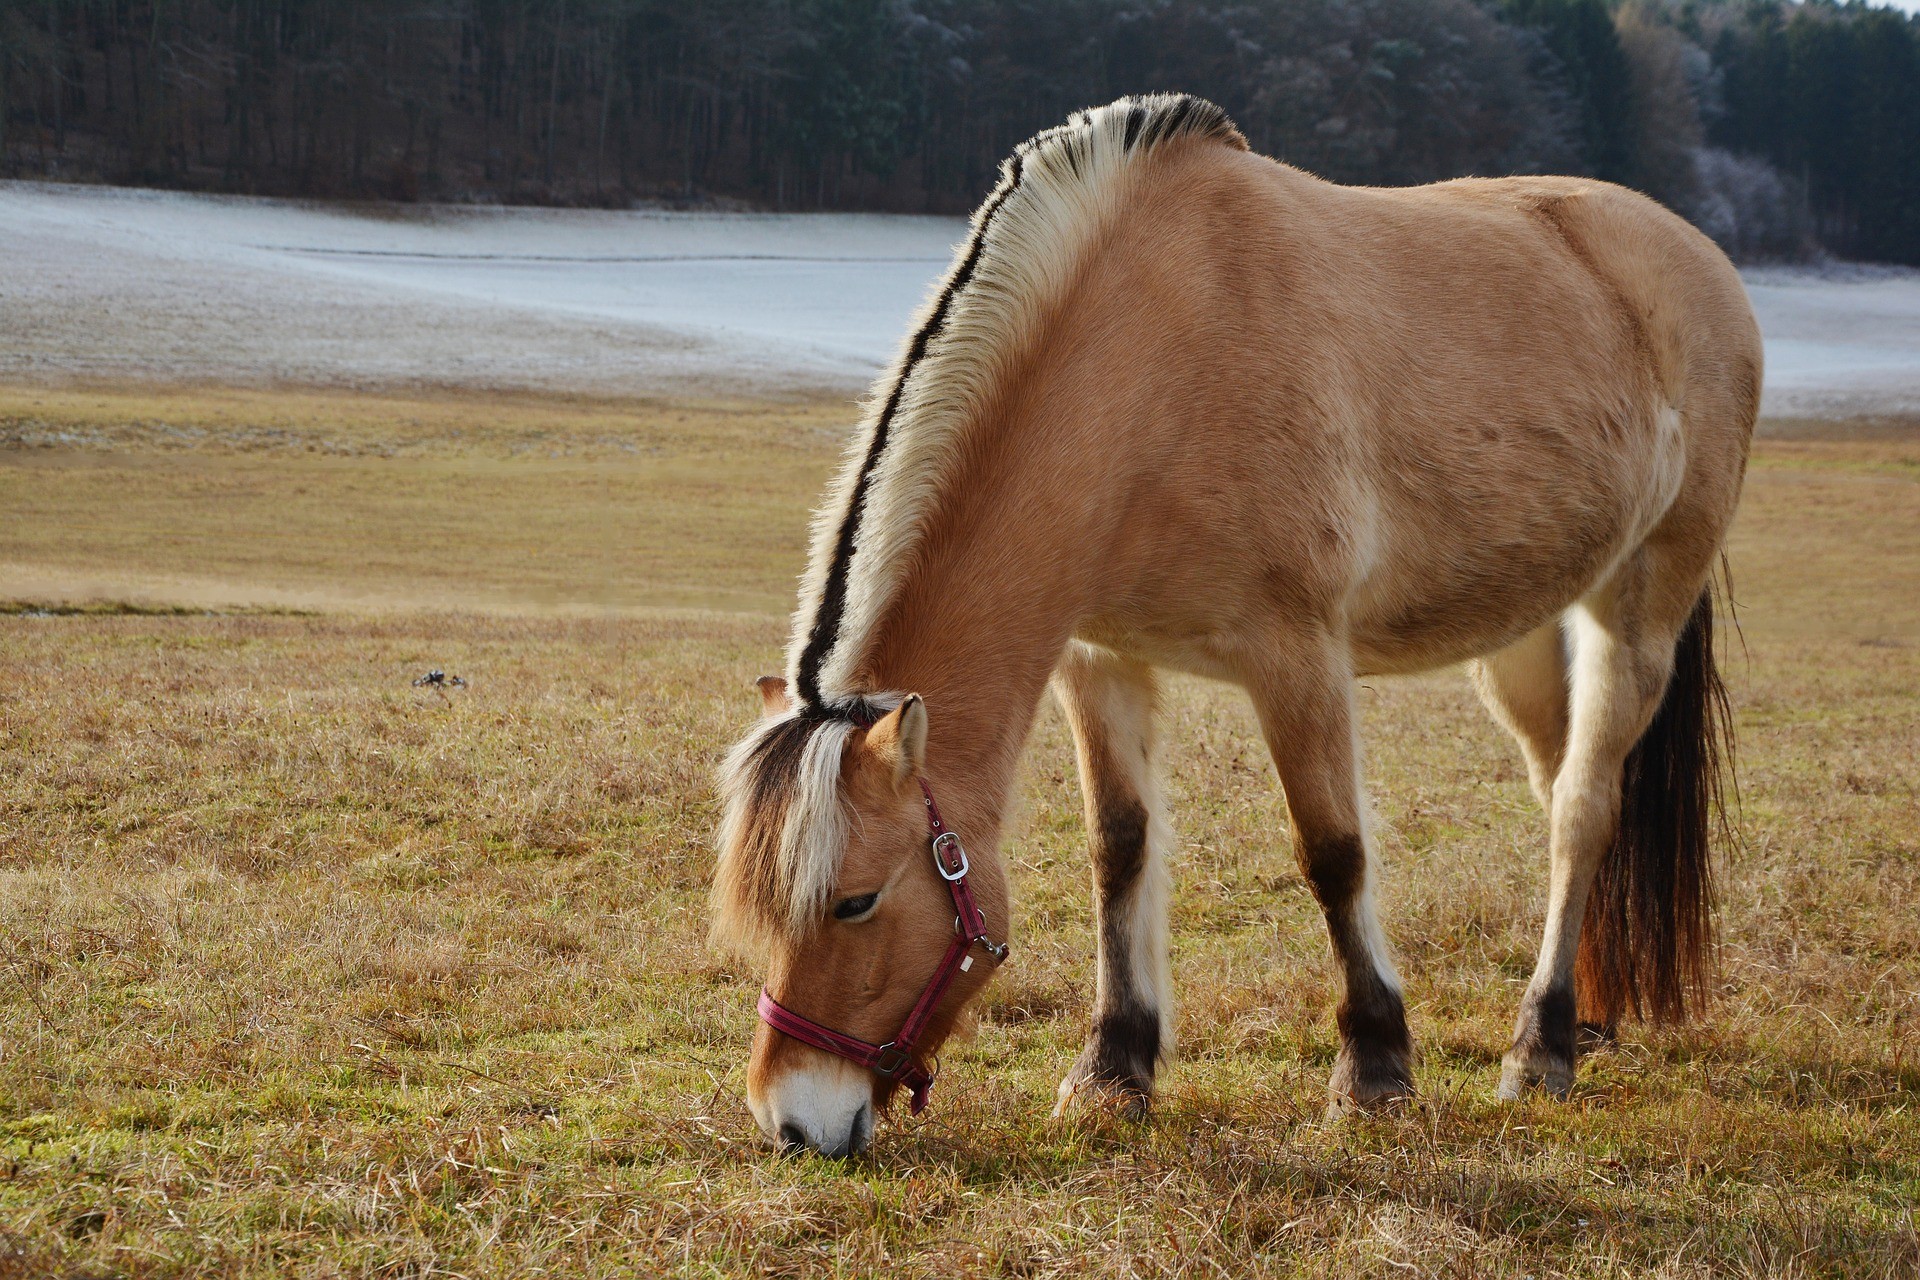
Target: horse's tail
column 1646, row 945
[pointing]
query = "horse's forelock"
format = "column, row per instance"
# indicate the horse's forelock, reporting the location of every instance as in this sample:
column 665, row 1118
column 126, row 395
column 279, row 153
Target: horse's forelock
column 784, row 826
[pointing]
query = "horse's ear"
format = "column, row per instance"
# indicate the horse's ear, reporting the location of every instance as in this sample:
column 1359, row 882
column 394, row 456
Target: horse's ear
column 773, row 696
column 900, row 740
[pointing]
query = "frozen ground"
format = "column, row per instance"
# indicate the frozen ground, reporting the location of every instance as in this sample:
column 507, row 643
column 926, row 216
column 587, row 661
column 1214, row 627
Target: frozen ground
column 110, row 283
column 1842, row 341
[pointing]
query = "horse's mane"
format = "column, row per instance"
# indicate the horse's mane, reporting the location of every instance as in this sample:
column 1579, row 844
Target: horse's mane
column 783, row 832
column 1056, row 192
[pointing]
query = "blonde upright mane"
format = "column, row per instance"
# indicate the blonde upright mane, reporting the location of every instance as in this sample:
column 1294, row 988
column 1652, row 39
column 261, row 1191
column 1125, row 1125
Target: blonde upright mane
column 1056, row 194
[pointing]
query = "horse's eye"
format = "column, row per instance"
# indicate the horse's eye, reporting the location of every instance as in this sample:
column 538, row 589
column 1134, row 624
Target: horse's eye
column 852, row 908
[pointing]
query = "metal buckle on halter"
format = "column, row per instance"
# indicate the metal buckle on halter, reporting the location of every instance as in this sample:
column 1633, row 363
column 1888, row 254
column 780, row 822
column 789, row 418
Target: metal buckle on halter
column 901, row 1059
column 940, row 859
column 998, row 950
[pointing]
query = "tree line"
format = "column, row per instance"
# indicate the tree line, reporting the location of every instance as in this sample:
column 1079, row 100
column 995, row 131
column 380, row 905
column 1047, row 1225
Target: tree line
column 1776, row 126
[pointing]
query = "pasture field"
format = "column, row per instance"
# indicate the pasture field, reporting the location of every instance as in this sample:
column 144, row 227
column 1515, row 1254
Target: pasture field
column 306, row 972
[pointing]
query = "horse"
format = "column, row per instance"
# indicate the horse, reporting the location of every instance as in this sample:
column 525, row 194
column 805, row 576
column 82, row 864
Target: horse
column 1177, row 406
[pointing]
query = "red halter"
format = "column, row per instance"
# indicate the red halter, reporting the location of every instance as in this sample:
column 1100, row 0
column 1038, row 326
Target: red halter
column 895, row 1059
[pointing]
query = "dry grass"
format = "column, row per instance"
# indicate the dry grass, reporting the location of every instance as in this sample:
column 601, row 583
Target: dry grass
column 307, row 972
column 323, row 500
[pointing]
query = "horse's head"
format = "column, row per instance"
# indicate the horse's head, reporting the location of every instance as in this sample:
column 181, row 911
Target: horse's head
column 827, row 869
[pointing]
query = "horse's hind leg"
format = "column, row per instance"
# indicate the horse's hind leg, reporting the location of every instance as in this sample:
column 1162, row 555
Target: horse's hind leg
column 1109, row 701
column 1306, row 712
column 1525, row 687
column 1623, row 638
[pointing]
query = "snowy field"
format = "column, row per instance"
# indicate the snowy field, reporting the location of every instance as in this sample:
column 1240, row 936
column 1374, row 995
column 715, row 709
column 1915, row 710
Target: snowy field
column 105, row 283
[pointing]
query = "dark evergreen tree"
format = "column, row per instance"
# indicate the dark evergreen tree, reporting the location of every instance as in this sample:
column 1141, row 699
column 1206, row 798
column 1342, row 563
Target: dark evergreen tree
column 1884, row 136
column 1581, row 35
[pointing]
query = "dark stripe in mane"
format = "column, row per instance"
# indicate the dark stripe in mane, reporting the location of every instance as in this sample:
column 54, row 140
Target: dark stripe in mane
column 1149, row 121
column 1152, row 121
column 833, row 598
column 776, row 764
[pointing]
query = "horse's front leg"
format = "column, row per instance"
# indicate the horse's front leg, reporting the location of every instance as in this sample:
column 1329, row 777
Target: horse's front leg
column 1109, row 703
column 1306, row 711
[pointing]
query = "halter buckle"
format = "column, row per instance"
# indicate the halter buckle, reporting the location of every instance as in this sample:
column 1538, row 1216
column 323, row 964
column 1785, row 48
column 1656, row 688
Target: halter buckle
column 946, row 838
column 890, row 1060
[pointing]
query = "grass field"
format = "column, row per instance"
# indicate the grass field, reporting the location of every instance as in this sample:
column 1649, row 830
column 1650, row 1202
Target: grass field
column 308, row 972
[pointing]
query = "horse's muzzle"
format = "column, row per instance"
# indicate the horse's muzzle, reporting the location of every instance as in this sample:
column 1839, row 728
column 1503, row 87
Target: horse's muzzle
column 824, row 1105
column 795, row 1140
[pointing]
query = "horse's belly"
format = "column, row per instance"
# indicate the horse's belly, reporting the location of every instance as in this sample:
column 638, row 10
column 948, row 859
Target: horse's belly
column 1448, row 558
column 1440, row 632
column 1480, row 567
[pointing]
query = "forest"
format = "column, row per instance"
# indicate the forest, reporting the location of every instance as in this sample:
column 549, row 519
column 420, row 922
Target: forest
column 1782, row 129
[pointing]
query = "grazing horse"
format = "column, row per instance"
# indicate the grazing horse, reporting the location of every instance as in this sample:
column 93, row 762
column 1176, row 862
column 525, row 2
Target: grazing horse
column 1180, row 406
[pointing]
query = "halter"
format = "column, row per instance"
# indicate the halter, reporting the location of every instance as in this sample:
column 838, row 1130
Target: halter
column 895, row 1059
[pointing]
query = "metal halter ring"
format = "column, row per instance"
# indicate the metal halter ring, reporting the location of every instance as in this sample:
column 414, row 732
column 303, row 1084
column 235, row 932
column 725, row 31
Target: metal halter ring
column 940, row 859
column 892, row 1060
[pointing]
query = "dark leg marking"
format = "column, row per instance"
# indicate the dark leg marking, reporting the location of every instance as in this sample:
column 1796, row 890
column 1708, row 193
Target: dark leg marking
column 1376, row 1053
column 1544, row 1041
column 1119, row 850
column 1123, row 1046
column 1546, row 1025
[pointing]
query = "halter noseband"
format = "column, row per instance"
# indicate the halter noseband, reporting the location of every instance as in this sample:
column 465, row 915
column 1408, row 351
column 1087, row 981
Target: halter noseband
column 895, row 1059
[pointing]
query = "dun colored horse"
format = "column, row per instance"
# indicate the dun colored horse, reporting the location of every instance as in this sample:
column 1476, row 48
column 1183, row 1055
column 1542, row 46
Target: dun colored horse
column 1179, row 406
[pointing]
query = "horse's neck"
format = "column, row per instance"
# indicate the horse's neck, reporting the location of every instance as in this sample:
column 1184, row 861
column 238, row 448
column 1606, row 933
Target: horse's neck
column 1000, row 581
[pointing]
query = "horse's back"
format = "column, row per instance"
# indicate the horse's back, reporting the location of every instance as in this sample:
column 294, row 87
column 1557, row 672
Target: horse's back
column 1469, row 398
column 1562, row 276
column 1689, row 310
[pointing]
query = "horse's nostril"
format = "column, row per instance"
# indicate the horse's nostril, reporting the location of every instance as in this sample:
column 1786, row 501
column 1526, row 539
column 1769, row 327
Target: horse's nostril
column 862, row 1131
column 793, row 1135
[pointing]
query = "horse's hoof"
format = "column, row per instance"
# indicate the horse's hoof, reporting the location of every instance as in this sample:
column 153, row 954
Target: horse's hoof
column 1519, row 1077
column 1091, row 1095
column 1369, row 1081
column 1114, row 1073
column 1341, row 1105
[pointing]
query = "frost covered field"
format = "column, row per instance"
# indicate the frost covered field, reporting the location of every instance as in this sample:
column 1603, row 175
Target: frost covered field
column 110, row 283
column 114, row 283
column 307, row 972
column 1842, row 341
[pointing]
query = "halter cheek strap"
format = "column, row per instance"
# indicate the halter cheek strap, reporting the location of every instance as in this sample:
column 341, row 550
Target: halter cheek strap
column 895, row 1060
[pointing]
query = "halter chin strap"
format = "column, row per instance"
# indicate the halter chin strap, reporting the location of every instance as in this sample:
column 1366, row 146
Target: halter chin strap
column 895, row 1060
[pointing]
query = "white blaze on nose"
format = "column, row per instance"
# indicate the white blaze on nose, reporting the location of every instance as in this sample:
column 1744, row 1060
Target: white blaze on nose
column 822, row 1100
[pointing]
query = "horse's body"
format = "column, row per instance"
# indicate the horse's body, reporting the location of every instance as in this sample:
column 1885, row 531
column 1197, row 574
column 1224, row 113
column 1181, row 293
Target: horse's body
column 1181, row 406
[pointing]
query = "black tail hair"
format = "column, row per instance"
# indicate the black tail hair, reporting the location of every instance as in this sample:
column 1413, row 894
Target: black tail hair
column 1646, row 946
